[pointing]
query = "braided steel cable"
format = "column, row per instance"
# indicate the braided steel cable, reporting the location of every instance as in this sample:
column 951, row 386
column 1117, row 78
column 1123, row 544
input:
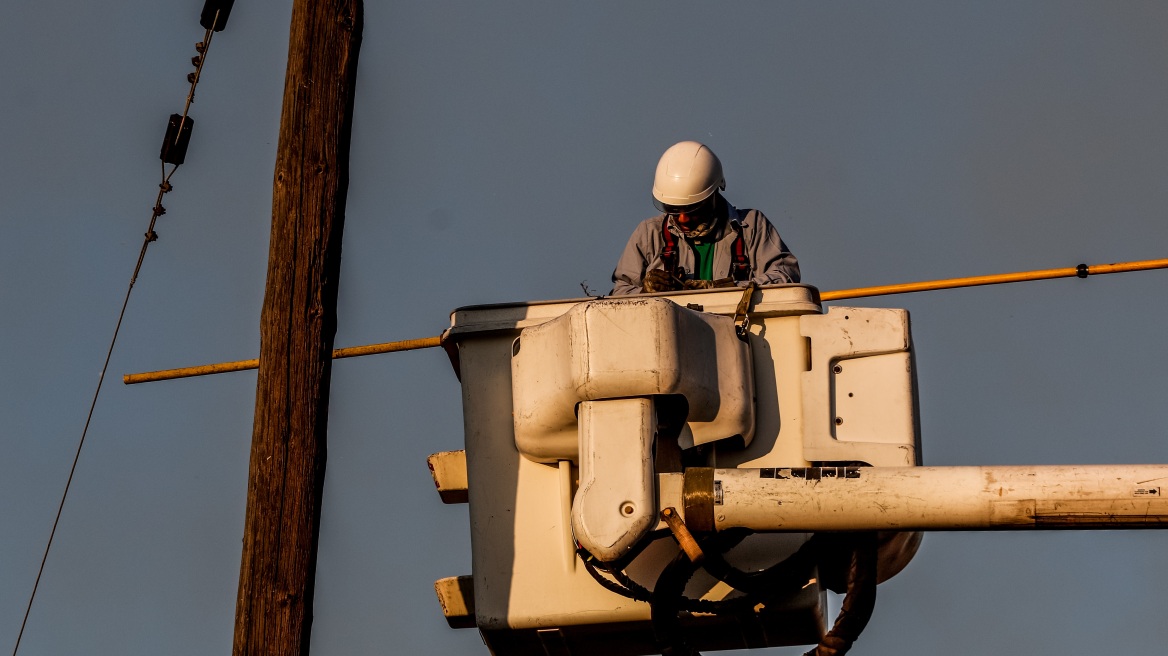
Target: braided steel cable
column 150, row 236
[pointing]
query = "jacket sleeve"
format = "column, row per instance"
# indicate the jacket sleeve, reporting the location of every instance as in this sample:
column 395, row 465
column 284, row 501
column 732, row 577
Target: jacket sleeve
column 630, row 268
column 773, row 261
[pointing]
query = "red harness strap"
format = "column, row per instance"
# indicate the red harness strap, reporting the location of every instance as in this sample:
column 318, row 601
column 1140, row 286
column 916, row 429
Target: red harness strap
column 669, row 255
column 739, row 261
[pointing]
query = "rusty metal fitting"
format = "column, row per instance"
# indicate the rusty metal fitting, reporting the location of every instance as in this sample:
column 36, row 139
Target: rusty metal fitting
column 698, row 496
column 684, row 538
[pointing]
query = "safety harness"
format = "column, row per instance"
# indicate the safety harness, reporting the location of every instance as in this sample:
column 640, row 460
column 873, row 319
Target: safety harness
column 739, row 262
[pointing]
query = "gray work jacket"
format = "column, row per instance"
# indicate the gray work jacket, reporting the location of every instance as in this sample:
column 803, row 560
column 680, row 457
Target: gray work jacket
column 770, row 260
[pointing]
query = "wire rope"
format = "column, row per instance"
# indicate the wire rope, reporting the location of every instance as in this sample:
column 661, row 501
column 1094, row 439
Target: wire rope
column 150, row 236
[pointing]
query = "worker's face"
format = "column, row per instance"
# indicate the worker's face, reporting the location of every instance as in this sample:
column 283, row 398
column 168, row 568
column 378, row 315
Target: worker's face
column 695, row 220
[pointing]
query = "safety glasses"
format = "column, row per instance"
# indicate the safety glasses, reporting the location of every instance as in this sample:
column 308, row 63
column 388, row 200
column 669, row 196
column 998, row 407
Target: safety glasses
column 696, row 211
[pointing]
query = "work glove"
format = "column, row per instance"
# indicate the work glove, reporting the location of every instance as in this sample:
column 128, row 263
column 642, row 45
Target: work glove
column 658, row 280
column 709, row 284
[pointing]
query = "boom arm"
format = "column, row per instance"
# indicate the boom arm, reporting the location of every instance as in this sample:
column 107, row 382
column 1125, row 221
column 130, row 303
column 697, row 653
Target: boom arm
column 811, row 499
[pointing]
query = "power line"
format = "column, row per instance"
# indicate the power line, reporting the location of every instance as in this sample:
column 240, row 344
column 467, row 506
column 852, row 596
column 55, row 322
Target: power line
column 174, row 147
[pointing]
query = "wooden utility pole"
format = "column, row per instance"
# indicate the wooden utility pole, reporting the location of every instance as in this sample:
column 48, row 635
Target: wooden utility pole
column 273, row 612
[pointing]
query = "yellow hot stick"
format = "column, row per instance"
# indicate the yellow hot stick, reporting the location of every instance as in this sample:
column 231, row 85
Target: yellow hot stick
column 951, row 283
column 974, row 281
column 243, row 365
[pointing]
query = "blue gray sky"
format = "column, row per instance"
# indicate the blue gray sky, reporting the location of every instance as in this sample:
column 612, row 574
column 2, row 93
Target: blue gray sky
column 504, row 152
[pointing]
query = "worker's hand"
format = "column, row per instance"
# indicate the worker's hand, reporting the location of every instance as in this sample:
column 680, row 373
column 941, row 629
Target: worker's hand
column 709, row 284
column 658, row 280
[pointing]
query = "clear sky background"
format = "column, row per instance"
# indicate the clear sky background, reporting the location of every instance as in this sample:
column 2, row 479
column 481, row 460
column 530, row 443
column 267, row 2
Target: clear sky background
column 504, row 152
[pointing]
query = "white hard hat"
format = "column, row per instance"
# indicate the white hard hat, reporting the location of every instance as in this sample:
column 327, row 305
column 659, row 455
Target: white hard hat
column 688, row 173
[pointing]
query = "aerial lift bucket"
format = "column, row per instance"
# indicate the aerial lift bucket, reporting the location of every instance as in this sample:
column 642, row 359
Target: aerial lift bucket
column 582, row 420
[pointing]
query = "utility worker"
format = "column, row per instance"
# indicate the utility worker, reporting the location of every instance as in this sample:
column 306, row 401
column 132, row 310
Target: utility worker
column 699, row 241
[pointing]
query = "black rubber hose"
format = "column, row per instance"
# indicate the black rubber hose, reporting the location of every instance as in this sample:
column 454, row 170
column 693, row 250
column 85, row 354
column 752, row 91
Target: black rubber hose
column 665, row 606
column 625, row 586
column 783, row 577
column 858, row 602
column 667, row 599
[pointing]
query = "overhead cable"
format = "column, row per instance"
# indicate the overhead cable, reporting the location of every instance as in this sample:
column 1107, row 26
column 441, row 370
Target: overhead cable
column 173, row 152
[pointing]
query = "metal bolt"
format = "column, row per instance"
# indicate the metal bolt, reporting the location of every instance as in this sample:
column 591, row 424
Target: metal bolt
column 838, row 369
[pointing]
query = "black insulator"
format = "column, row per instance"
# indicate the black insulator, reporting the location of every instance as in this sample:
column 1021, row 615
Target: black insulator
column 192, row 77
column 196, row 60
column 200, row 47
column 1082, row 271
column 212, row 7
column 178, row 137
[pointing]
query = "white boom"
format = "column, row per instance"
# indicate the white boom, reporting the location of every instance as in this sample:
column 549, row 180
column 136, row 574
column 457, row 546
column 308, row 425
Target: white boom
column 937, row 498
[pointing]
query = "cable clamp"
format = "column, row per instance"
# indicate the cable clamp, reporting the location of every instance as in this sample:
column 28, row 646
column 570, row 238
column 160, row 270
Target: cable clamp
column 1082, row 271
